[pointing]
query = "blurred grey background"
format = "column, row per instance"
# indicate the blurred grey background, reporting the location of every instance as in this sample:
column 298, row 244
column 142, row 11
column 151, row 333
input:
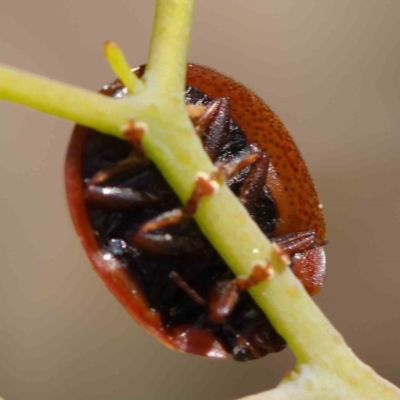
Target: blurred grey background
column 329, row 68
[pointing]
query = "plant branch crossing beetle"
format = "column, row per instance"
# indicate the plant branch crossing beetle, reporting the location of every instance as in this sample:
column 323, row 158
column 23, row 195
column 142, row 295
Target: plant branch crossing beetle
column 148, row 250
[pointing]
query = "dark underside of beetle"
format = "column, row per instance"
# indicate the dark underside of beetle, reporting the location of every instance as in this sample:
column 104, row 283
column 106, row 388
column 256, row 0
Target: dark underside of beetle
column 246, row 333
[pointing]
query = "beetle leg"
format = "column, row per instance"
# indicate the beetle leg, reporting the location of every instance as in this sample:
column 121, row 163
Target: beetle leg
column 187, row 288
column 242, row 345
column 297, row 242
column 212, row 126
column 99, row 194
column 167, row 243
column 226, row 171
column 118, row 197
column 134, row 160
column 254, row 184
column 173, row 244
column 241, row 341
column 226, row 294
column 308, row 258
column 147, row 238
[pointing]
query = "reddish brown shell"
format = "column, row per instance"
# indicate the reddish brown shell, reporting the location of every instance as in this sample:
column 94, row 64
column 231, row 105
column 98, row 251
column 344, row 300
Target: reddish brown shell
column 114, row 276
column 289, row 182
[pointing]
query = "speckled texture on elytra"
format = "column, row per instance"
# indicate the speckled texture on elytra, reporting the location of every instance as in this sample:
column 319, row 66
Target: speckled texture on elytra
column 288, row 180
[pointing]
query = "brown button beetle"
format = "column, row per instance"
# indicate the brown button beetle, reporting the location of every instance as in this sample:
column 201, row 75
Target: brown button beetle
column 149, row 252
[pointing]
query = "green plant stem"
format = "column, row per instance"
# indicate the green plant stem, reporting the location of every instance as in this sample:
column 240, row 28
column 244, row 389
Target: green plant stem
column 166, row 65
column 121, row 68
column 59, row 99
column 312, row 383
column 326, row 367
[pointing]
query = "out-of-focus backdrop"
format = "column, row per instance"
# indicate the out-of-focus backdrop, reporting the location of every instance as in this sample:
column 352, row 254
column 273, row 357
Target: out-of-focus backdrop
column 329, row 68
